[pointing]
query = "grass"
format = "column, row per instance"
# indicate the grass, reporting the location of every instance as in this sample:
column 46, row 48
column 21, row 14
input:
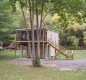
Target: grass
column 78, row 54
column 16, row 72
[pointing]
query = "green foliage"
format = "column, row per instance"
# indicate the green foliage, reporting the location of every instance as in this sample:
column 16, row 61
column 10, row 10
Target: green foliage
column 76, row 41
column 36, row 62
column 72, row 39
column 8, row 21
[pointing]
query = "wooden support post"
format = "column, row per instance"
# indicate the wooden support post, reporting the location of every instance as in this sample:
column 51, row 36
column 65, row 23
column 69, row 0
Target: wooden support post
column 55, row 53
column 16, row 45
column 43, row 45
column 36, row 50
column 72, row 54
column 15, row 50
column 28, row 55
column 46, row 51
column 43, row 54
column 49, row 52
column 21, row 51
column 27, row 51
column 55, row 49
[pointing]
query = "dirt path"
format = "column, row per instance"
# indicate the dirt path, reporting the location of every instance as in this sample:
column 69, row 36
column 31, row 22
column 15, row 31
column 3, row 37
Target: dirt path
column 59, row 64
column 67, row 64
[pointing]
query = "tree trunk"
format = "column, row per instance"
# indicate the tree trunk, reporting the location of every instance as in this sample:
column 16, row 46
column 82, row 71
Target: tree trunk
column 29, row 46
column 32, row 28
column 33, row 6
column 42, row 4
column 37, row 27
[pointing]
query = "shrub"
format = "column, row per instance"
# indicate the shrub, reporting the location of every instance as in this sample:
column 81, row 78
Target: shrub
column 36, row 62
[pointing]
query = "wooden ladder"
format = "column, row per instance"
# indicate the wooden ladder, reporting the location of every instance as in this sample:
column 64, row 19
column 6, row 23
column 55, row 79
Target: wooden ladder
column 67, row 53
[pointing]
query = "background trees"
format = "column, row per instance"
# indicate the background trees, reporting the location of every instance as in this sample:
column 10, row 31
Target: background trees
column 8, row 21
column 68, row 12
column 65, row 17
column 68, row 18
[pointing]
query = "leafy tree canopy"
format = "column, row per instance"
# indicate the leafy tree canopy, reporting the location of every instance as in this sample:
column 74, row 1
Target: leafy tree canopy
column 8, row 21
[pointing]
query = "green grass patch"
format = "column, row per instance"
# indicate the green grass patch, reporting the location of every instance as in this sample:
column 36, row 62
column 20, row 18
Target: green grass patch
column 78, row 54
column 8, row 54
column 10, row 71
column 60, row 56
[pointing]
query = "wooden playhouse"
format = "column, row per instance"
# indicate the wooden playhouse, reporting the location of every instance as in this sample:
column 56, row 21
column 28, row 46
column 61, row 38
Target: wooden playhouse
column 49, row 43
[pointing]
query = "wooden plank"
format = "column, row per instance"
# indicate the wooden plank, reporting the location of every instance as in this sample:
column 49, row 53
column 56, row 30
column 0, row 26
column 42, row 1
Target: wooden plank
column 30, row 41
column 21, row 51
column 43, row 45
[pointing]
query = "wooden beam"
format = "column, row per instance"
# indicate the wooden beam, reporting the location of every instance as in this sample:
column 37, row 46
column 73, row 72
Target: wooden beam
column 30, row 41
column 43, row 45
column 21, row 51
column 46, row 51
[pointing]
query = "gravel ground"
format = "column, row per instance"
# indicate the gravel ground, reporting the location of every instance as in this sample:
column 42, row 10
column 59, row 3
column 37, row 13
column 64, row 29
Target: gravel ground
column 57, row 64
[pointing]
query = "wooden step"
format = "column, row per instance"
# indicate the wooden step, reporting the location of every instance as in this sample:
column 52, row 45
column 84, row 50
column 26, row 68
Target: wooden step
column 64, row 51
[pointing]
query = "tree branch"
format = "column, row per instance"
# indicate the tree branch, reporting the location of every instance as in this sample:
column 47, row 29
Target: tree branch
column 46, row 15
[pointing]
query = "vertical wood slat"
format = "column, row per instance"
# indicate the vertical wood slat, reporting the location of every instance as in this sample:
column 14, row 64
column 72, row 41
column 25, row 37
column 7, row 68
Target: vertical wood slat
column 21, row 51
column 43, row 43
column 17, row 36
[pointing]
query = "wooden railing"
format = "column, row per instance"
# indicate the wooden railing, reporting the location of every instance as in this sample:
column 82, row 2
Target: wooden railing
column 67, row 53
column 20, row 38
